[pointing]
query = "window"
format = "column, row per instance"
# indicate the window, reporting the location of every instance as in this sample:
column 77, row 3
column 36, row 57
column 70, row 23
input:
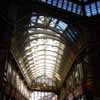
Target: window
column 98, row 6
column 65, row 4
column 53, row 22
column 43, row 96
column 49, row 1
column 74, row 8
column 87, row 10
column 55, row 2
column 90, row 8
column 33, row 19
column 93, row 9
column 41, row 19
column 69, row 8
column 60, row 3
column 61, row 26
column 79, row 9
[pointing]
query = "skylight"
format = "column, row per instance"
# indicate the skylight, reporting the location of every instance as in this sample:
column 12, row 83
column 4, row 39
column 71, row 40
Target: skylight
column 40, row 19
column 69, row 6
column 91, row 8
column 34, row 18
column 54, row 2
column 74, row 8
column 60, row 3
column 49, row 1
column 61, row 26
column 43, row 96
column 64, row 5
column 98, row 6
column 52, row 24
column 87, row 9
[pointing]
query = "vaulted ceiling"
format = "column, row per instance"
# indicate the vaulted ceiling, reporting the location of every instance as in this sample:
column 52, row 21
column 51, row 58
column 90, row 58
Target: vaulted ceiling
column 42, row 49
column 43, row 33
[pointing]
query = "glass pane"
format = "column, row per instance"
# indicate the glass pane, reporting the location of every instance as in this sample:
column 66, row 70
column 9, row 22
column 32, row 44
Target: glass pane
column 69, row 6
column 49, row 1
column 62, row 26
column 98, row 6
column 33, row 18
column 60, row 3
column 87, row 10
column 79, row 9
column 74, row 8
column 41, row 19
column 55, row 2
column 65, row 4
column 53, row 22
column 43, row 96
column 93, row 9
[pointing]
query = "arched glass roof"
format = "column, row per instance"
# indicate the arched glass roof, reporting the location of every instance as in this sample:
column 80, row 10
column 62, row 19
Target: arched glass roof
column 67, row 5
column 51, row 24
column 80, row 7
column 44, row 44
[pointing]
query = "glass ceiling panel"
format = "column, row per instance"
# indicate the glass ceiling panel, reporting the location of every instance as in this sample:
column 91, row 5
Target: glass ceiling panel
column 40, row 19
column 62, row 26
column 34, row 18
column 98, row 6
column 54, row 2
column 76, row 7
column 52, row 24
column 49, row 1
column 65, row 5
column 60, row 3
column 93, row 9
column 43, row 96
